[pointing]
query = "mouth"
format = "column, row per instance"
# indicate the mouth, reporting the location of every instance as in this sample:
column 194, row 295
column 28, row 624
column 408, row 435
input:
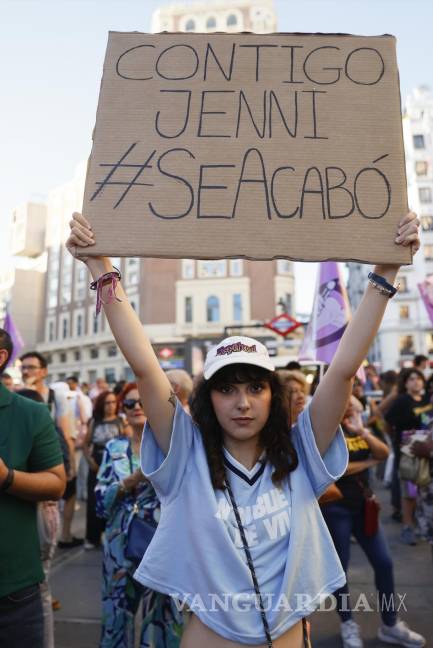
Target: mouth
column 242, row 420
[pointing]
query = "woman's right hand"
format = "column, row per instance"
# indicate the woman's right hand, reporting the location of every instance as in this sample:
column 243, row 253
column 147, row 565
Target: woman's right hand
column 81, row 236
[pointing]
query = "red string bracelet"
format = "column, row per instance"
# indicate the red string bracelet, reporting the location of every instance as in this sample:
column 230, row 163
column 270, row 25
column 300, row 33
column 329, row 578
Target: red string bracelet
column 111, row 279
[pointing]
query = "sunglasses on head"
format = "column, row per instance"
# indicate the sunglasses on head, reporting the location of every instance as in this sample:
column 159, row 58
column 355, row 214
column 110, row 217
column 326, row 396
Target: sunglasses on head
column 130, row 403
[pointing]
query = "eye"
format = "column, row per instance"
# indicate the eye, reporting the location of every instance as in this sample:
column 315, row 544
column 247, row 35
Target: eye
column 257, row 388
column 225, row 388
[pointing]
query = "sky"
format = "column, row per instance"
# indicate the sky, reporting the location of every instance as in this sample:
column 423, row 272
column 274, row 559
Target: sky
column 51, row 56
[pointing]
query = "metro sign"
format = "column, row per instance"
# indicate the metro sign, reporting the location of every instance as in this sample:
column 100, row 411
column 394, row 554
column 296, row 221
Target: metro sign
column 283, row 324
column 166, row 353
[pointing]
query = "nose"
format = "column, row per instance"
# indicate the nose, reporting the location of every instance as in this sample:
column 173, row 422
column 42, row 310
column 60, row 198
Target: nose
column 243, row 403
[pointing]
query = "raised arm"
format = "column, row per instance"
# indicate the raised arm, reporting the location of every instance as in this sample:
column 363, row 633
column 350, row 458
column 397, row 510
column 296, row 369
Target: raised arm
column 155, row 390
column 329, row 401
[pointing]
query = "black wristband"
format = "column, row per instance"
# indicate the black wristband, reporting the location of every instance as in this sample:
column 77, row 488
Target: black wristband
column 8, row 481
column 382, row 284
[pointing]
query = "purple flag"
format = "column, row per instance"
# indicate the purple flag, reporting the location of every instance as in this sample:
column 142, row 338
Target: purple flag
column 331, row 313
column 426, row 290
column 17, row 340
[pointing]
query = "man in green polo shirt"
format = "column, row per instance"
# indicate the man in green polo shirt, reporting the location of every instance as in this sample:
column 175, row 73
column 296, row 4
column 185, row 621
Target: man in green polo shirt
column 31, row 470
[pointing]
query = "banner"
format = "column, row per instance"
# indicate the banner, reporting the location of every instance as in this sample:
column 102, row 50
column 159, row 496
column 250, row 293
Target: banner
column 426, row 290
column 17, row 341
column 330, row 316
column 245, row 145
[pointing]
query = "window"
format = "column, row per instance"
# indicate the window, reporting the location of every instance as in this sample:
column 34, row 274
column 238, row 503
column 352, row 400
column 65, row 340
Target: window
column 284, row 267
column 232, row 20
column 406, row 345
column 403, row 284
column 404, row 312
column 421, row 168
column 95, row 325
column 79, row 325
column 211, row 23
column 133, row 306
column 81, row 274
column 187, row 269
column 424, row 195
column 418, row 141
column 62, row 357
column 212, row 309
column 236, row 267
column 112, row 351
column 50, row 331
column 53, row 286
column 428, row 252
column 110, row 375
column 207, row 269
column 94, row 353
column 77, row 356
column 64, row 328
column 190, row 25
column 237, row 307
column 188, row 310
column 132, row 263
column 427, row 223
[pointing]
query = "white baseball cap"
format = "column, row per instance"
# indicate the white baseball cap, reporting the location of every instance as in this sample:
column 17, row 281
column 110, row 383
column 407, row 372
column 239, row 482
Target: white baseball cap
column 237, row 349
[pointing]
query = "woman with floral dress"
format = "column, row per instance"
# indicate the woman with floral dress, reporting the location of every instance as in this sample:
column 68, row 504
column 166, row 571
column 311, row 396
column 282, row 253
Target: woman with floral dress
column 121, row 486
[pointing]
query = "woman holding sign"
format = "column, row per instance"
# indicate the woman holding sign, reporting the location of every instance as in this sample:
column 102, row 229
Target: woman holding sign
column 241, row 540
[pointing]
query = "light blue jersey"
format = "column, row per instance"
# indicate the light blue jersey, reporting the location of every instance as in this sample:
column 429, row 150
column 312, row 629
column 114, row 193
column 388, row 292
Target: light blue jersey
column 197, row 556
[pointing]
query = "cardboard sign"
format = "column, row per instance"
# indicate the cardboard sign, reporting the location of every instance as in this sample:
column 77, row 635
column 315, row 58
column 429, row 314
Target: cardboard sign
column 261, row 146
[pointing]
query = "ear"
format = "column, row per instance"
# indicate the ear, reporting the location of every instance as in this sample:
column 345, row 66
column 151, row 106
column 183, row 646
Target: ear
column 4, row 357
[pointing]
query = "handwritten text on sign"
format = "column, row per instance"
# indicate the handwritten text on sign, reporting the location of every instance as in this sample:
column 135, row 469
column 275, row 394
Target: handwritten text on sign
column 210, row 146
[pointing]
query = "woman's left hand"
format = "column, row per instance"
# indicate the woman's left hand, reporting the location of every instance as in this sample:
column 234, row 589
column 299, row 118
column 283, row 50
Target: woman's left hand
column 408, row 232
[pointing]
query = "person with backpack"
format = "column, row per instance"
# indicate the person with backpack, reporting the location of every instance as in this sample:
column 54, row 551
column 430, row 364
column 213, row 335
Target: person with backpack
column 241, row 540
column 31, row 475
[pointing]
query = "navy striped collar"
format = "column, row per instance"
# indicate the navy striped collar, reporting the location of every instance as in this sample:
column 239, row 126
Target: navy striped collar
column 249, row 476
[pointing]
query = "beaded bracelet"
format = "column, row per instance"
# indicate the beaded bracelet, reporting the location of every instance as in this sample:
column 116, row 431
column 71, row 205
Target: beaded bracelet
column 382, row 285
column 109, row 278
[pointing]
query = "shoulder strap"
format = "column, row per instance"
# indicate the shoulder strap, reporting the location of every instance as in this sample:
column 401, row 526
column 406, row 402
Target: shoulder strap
column 129, row 453
column 250, row 565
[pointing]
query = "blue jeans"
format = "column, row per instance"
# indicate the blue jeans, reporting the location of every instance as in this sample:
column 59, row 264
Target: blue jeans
column 342, row 523
column 21, row 619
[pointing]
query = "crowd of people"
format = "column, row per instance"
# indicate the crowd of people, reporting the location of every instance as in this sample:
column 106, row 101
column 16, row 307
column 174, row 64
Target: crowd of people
column 219, row 490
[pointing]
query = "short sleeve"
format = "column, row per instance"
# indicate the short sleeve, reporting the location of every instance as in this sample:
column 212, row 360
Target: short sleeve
column 165, row 472
column 46, row 452
column 321, row 470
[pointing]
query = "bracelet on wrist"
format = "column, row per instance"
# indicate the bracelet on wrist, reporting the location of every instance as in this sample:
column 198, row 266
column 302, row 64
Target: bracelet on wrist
column 382, row 285
column 8, row 481
column 108, row 279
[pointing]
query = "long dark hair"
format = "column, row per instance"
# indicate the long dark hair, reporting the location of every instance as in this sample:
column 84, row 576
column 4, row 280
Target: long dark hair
column 274, row 438
column 404, row 376
column 98, row 408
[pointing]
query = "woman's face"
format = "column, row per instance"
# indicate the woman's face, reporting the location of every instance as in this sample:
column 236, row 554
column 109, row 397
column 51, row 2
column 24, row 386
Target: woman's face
column 414, row 384
column 296, row 395
column 242, row 409
column 110, row 404
column 133, row 409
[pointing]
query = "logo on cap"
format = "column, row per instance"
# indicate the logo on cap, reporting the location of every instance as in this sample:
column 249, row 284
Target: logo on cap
column 235, row 348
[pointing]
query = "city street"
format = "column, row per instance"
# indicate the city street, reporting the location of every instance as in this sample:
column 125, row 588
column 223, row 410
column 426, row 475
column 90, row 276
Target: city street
column 76, row 582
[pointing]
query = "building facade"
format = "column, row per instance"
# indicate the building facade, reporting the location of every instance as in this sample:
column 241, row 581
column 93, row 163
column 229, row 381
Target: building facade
column 217, row 15
column 406, row 329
